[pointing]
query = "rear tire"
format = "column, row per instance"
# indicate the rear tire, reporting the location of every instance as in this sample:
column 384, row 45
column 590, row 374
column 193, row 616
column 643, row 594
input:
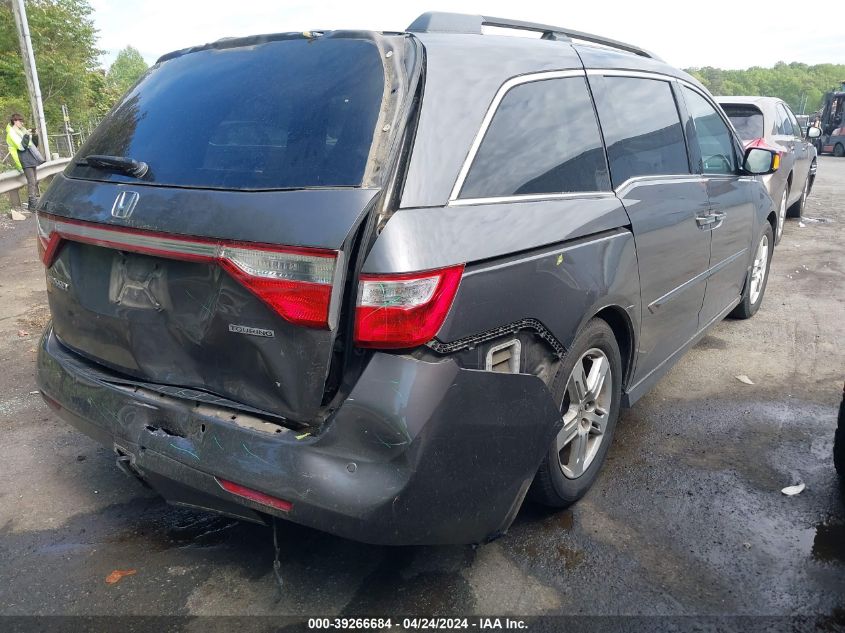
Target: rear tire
column 755, row 282
column 588, row 389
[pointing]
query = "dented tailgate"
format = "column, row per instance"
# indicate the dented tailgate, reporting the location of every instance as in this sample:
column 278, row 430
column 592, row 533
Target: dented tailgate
column 174, row 318
column 220, row 266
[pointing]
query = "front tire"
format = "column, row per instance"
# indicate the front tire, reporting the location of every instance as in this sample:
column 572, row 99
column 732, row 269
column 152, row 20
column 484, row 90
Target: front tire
column 839, row 150
column 797, row 209
column 755, row 283
column 588, row 389
column 781, row 220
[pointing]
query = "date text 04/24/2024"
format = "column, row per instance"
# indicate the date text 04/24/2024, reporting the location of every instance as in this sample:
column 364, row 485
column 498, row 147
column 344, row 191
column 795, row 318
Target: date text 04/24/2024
column 418, row 623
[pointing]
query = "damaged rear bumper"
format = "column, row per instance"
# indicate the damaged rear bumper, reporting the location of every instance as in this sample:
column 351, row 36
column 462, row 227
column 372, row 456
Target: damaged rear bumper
column 419, row 453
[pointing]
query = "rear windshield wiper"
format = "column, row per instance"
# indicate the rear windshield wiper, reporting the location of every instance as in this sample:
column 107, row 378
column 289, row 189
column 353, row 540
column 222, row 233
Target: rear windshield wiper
column 122, row 164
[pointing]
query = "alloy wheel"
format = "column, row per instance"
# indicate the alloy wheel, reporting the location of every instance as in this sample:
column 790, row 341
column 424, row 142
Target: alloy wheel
column 758, row 270
column 586, row 411
column 781, row 215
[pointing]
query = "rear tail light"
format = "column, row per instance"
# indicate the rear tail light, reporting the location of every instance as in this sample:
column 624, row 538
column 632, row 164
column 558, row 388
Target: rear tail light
column 407, row 310
column 255, row 495
column 48, row 239
column 295, row 282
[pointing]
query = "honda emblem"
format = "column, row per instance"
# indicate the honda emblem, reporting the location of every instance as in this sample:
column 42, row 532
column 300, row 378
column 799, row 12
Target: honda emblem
column 124, row 204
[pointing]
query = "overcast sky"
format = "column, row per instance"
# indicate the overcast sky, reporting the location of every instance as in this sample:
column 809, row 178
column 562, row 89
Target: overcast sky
column 725, row 34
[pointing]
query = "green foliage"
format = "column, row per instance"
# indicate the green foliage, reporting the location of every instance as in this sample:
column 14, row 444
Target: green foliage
column 126, row 69
column 64, row 40
column 791, row 82
column 13, row 97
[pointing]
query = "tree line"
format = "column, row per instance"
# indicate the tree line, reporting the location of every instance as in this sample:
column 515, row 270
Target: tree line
column 65, row 44
column 797, row 84
column 64, row 40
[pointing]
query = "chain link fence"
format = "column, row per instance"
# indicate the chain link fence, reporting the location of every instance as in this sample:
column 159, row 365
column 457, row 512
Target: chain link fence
column 61, row 145
column 66, row 145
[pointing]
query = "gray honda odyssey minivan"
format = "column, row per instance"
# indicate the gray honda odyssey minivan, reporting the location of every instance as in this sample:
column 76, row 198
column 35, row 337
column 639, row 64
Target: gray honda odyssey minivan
column 389, row 284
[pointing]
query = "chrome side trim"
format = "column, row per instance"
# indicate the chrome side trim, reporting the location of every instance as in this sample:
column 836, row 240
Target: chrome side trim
column 491, row 111
column 658, row 303
column 530, row 197
column 642, row 74
column 657, row 179
column 597, row 72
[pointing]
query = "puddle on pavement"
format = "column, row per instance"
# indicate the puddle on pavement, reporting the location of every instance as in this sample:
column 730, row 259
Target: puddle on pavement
column 571, row 557
column 829, row 543
column 399, row 582
column 558, row 520
column 537, row 544
column 548, row 519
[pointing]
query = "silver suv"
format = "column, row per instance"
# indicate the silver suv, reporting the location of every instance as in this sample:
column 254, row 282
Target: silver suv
column 769, row 122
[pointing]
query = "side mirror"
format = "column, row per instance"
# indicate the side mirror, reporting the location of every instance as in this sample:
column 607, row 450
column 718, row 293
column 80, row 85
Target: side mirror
column 814, row 132
column 759, row 161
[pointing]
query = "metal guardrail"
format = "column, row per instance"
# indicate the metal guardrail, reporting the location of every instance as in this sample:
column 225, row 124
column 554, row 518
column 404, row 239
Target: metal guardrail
column 14, row 180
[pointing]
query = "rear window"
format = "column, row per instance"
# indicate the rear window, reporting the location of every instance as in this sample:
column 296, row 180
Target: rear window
column 747, row 120
column 283, row 114
column 543, row 139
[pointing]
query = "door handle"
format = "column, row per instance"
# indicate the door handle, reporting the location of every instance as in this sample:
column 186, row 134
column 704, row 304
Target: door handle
column 718, row 218
column 711, row 220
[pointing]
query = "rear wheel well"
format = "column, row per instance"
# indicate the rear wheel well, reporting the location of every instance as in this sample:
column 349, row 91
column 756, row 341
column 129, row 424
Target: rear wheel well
column 620, row 323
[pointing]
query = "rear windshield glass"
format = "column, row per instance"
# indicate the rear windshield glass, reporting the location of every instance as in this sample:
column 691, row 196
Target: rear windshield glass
column 747, row 120
column 281, row 114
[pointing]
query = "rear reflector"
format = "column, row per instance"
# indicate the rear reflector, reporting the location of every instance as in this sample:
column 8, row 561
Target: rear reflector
column 254, row 495
column 295, row 282
column 407, row 310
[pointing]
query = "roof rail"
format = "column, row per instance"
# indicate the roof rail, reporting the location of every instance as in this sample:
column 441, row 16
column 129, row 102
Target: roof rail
column 442, row 22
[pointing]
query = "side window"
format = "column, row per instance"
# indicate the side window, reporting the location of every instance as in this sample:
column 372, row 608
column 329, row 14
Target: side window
column 642, row 128
column 784, row 125
column 714, row 139
column 796, row 128
column 544, row 138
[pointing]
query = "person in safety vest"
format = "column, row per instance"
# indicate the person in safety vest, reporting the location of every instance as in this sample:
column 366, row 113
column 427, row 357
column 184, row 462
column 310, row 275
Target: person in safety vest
column 25, row 155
